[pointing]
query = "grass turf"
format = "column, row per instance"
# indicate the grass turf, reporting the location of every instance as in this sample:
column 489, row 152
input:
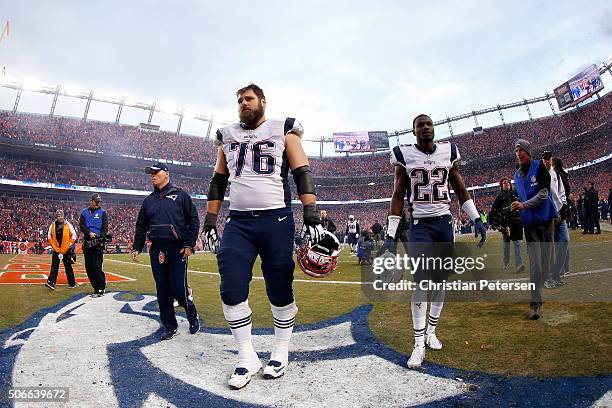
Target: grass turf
column 572, row 338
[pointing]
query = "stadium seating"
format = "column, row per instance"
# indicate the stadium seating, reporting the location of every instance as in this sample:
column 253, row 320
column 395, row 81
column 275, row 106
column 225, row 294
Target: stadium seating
column 577, row 137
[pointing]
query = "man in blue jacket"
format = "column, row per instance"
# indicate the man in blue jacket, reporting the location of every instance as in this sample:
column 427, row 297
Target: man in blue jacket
column 171, row 220
column 538, row 212
column 93, row 223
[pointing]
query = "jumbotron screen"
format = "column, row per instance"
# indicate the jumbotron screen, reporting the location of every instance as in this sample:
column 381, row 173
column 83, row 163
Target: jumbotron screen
column 351, row 142
column 580, row 87
column 360, row 141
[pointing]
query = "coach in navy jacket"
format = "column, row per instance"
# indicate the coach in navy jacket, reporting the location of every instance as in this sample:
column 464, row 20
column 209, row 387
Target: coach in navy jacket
column 171, row 220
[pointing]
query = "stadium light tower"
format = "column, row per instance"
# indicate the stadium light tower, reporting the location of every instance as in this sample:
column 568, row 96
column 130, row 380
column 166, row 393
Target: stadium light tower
column 501, row 115
column 151, row 113
column 475, row 118
column 527, row 107
column 55, row 96
column 119, row 110
column 552, row 108
column 87, row 105
column 17, row 98
column 180, row 122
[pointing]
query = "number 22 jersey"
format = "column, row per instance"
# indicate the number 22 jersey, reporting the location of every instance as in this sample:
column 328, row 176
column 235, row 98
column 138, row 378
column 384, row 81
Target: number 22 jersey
column 428, row 191
column 257, row 164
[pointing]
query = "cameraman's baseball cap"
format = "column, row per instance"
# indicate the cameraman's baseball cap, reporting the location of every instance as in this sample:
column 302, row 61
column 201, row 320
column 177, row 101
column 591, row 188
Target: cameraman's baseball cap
column 155, row 167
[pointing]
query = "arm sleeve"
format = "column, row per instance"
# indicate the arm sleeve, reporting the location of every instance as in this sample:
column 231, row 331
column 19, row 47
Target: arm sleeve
column 49, row 233
column 104, row 231
column 537, row 199
column 142, row 225
column 192, row 221
column 82, row 226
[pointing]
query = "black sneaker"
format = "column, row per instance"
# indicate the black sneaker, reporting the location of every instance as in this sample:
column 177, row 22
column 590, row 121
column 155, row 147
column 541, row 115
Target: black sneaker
column 534, row 314
column 168, row 334
column 76, row 285
column 50, row 285
column 194, row 326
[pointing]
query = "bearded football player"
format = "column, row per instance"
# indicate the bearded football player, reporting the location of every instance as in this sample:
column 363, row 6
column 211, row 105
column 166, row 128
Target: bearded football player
column 255, row 156
column 422, row 173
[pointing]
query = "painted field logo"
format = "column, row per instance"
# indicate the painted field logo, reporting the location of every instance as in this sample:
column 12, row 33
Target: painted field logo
column 34, row 269
column 107, row 351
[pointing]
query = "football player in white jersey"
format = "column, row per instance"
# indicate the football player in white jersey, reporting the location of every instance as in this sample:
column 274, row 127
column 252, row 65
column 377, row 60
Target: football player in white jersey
column 422, row 173
column 352, row 233
column 255, row 156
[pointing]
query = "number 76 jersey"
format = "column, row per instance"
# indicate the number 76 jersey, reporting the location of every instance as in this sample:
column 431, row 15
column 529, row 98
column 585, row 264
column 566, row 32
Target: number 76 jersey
column 257, row 164
column 428, row 190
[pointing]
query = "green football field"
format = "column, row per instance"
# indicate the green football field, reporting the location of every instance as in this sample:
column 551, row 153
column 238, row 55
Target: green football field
column 573, row 338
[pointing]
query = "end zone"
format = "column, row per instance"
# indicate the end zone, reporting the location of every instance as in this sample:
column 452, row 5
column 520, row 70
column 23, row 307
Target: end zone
column 35, row 269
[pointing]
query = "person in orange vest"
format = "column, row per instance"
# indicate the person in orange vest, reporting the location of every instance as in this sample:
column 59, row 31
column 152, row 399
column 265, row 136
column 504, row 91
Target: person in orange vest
column 61, row 237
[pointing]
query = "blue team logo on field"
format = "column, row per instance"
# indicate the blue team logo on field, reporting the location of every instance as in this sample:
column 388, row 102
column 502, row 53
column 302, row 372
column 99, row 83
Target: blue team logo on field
column 107, row 351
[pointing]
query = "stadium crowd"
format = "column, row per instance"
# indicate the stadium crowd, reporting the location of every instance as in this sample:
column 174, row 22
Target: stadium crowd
column 591, row 145
column 70, row 133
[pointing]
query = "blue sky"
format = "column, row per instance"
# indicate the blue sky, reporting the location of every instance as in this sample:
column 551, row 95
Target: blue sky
column 335, row 65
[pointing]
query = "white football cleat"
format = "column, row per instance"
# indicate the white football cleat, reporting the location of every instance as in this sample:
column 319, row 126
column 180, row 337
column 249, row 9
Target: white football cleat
column 242, row 376
column 432, row 342
column 274, row 369
column 417, row 356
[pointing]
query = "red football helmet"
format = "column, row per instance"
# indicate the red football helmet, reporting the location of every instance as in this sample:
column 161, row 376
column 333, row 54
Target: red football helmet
column 321, row 259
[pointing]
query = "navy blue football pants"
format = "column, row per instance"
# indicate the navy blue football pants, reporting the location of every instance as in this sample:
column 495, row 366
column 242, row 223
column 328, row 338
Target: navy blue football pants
column 431, row 237
column 171, row 282
column 247, row 234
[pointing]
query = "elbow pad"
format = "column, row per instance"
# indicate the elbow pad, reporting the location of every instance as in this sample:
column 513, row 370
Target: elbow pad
column 217, row 187
column 303, row 180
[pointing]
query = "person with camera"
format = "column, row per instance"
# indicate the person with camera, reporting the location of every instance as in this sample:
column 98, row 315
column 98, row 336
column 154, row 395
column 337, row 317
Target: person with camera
column 94, row 226
column 508, row 222
column 61, row 236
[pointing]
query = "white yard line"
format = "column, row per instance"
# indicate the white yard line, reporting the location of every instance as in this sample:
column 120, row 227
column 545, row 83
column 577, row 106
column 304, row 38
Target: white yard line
column 355, row 282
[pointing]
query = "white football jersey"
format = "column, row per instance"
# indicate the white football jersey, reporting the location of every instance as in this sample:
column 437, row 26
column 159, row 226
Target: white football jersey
column 257, row 164
column 352, row 227
column 428, row 190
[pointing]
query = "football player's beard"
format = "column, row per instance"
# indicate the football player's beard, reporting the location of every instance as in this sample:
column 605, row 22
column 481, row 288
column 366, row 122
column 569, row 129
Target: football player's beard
column 250, row 117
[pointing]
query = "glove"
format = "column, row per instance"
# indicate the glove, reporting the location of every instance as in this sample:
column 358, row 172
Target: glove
column 388, row 246
column 312, row 224
column 479, row 229
column 210, row 238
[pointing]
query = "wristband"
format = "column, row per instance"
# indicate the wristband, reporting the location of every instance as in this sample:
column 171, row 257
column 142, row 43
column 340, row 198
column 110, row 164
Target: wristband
column 470, row 210
column 392, row 225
